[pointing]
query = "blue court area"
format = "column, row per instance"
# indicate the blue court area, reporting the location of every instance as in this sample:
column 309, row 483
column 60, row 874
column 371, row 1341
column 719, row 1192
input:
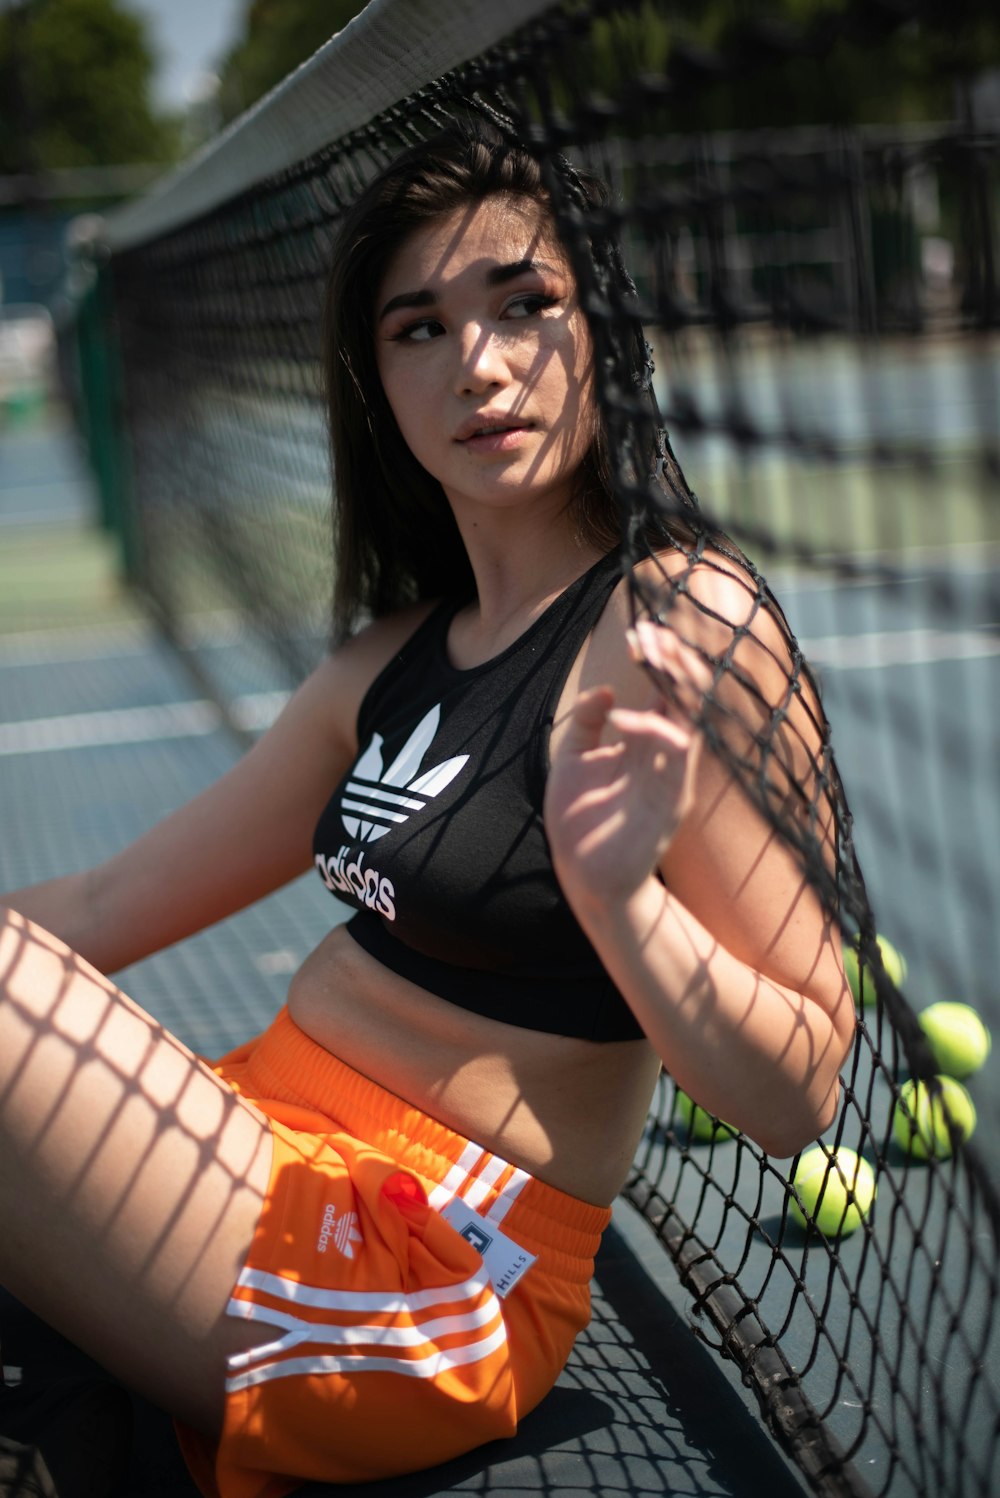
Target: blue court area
column 101, row 733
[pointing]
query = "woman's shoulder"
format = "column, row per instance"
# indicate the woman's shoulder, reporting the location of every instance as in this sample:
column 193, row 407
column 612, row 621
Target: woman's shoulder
column 372, row 646
column 710, row 588
column 337, row 687
column 715, row 601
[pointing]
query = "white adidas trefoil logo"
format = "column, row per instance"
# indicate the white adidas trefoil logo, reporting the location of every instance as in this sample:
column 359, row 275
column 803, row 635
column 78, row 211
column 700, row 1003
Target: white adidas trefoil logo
column 367, row 792
column 342, row 1232
column 369, row 809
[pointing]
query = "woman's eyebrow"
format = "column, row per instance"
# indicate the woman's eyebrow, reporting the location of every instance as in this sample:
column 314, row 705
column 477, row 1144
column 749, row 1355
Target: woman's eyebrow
column 407, row 299
column 496, row 276
column 501, row 273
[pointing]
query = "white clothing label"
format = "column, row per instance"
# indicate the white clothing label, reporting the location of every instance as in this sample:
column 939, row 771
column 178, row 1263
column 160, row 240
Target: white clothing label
column 505, row 1260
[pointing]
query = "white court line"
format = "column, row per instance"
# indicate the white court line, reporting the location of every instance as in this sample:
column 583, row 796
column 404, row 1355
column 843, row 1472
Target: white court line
column 44, row 647
column 49, row 647
column 914, row 647
column 210, row 631
column 31, row 520
column 136, row 725
column 961, row 561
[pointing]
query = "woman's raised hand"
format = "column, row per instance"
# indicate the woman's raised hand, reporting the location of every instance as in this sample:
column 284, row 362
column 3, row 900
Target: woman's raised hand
column 623, row 779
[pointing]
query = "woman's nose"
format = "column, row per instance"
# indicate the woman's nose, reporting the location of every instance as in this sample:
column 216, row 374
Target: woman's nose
column 481, row 361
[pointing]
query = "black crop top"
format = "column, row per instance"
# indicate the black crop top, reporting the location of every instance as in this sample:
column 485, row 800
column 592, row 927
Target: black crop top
column 436, row 835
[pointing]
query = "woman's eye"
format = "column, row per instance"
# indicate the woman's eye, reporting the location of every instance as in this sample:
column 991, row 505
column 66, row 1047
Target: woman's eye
column 529, row 305
column 419, row 332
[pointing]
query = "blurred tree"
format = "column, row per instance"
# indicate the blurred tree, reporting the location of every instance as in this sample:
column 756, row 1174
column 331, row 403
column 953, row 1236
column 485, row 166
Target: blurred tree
column 839, row 82
column 75, row 80
column 278, row 36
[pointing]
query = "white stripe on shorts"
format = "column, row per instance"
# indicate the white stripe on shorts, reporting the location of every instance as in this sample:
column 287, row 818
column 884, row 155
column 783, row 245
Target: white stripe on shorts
column 456, row 1177
column 356, row 1334
column 508, row 1196
column 431, row 1366
column 392, row 1302
column 487, row 1178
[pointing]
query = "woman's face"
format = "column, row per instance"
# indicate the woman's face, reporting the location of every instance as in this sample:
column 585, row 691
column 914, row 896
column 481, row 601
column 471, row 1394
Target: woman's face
column 485, row 357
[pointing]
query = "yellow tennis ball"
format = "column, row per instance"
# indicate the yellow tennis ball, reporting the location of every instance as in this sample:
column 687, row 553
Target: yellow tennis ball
column 957, row 1037
column 892, row 960
column 834, row 1190
column 698, row 1123
column 921, row 1120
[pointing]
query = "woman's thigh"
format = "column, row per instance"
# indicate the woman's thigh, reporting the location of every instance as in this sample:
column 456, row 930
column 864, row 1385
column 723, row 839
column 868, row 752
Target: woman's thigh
column 131, row 1178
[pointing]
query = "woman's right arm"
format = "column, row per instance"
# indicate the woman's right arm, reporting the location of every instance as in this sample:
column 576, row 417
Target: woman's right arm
column 246, row 835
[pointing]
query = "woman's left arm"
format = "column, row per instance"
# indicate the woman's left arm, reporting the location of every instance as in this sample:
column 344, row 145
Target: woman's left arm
column 697, row 907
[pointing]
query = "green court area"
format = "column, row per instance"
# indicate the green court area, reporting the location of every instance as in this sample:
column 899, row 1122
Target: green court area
column 822, row 449
column 797, row 509
column 58, row 568
column 61, row 577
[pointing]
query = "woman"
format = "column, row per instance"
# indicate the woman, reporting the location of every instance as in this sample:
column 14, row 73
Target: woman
column 406, row 1177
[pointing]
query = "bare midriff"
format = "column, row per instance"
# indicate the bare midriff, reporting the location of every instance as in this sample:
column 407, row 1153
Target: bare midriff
column 569, row 1111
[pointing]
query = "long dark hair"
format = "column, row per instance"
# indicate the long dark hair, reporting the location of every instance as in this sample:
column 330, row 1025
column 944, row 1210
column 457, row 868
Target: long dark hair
column 396, row 538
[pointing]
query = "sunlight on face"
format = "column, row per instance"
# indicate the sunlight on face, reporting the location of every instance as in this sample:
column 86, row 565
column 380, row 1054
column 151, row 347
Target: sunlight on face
column 485, row 356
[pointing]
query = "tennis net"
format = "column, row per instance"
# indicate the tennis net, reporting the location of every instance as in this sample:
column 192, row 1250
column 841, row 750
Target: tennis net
column 821, row 301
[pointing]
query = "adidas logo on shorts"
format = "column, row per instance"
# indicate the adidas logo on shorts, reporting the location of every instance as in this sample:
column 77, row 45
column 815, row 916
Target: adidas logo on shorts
column 342, row 1232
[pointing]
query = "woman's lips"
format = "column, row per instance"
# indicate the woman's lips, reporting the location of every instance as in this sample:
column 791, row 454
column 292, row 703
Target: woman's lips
column 495, row 439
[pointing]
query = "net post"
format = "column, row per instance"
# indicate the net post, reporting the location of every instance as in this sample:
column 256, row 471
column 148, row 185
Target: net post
column 105, row 425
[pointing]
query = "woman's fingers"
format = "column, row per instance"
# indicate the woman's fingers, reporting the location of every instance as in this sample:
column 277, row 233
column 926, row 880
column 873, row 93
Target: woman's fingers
column 682, row 674
column 650, row 728
column 587, row 720
column 624, row 777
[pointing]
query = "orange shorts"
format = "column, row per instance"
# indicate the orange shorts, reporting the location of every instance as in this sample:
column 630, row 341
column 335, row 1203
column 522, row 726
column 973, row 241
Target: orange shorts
column 387, row 1343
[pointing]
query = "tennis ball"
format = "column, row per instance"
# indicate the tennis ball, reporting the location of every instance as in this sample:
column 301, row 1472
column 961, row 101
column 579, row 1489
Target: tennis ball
column 892, row 960
column 957, row 1036
column 921, row 1120
column 834, row 1190
column 698, row 1123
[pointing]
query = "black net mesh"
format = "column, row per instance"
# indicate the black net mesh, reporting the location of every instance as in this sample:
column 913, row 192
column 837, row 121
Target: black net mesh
column 821, row 307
